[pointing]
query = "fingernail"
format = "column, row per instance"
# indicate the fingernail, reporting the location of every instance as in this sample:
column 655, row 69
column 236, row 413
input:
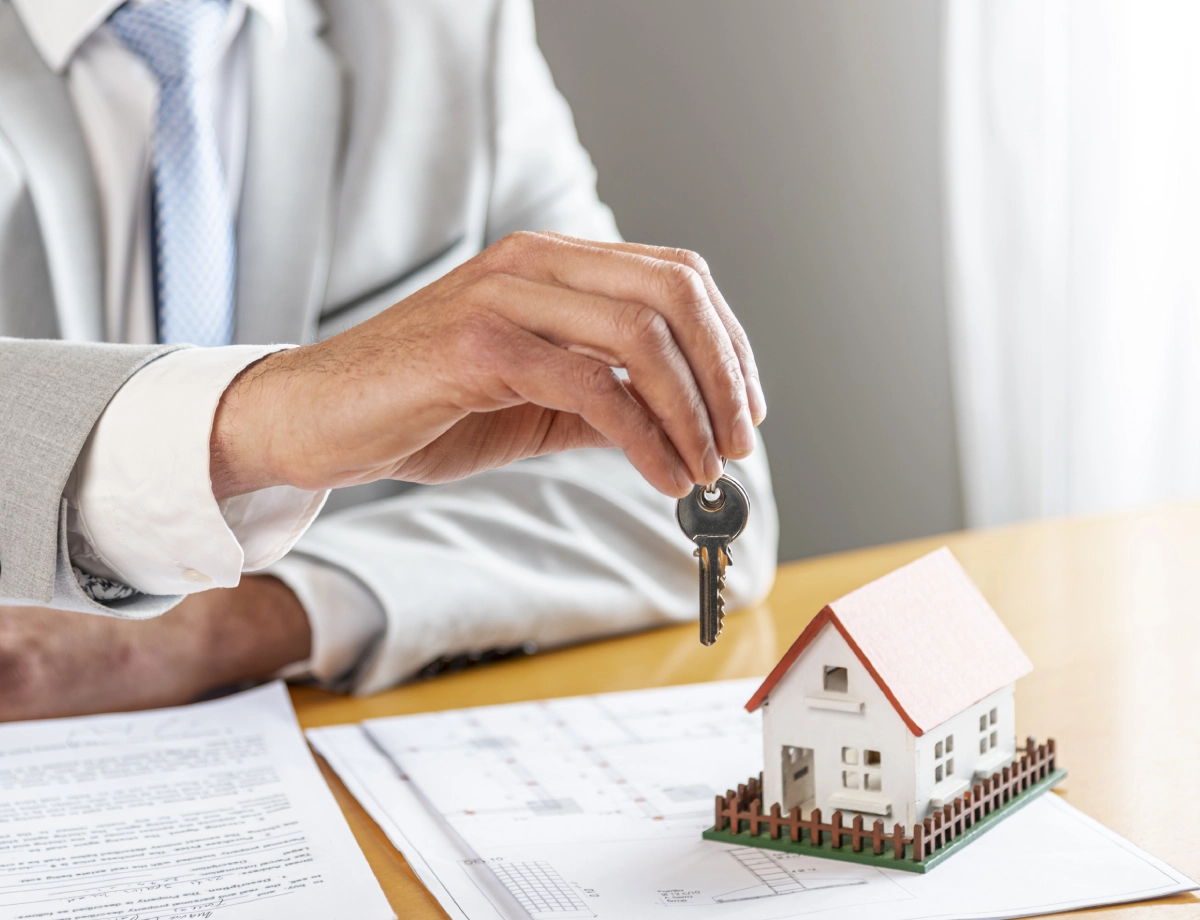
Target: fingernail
column 742, row 437
column 683, row 478
column 758, row 400
column 712, row 465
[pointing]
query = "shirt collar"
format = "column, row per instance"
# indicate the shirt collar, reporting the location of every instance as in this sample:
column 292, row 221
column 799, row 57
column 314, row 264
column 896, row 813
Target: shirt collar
column 58, row 27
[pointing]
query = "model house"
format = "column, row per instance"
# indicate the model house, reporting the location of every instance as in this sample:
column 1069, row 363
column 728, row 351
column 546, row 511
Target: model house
column 893, row 700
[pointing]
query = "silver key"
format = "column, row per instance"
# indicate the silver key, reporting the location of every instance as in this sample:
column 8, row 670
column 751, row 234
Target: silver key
column 713, row 517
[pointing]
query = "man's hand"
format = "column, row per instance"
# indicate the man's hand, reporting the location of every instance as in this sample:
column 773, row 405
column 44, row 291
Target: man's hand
column 59, row 663
column 506, row 357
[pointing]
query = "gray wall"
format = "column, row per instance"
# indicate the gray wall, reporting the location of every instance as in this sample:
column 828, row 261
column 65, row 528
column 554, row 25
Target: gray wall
column 794, row 144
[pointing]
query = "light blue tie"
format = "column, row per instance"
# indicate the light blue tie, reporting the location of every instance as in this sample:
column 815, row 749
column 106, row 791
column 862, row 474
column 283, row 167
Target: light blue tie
column 195, row 256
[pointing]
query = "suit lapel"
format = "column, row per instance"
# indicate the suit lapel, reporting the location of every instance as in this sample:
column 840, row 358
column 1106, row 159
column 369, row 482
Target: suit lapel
column 289, row 192
column 38, row 119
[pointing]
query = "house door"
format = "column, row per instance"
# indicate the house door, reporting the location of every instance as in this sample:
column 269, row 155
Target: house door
column 798, row 785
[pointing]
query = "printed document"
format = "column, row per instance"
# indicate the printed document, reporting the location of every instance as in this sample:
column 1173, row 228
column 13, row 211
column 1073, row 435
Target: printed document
column 592, row 807
column 211, row 810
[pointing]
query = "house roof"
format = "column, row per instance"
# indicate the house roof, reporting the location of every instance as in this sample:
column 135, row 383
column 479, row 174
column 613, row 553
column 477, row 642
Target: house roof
column 928, row 637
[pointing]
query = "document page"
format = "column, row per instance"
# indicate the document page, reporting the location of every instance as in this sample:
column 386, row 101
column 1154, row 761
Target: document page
column 216, row 809
column 593, row 806
column 430, row 849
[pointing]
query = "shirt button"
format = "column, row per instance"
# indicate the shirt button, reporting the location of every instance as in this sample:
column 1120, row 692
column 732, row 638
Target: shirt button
column 196, row 577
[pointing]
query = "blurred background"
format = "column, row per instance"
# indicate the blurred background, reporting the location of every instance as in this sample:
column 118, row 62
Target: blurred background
column 964, row 238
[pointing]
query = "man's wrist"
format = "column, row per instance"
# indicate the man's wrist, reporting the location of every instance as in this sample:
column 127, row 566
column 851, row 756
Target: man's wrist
column 241, row 445
column 61, row 663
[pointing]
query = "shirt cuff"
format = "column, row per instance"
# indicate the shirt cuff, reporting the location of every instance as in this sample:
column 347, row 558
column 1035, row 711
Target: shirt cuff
column 346, row 618
column 140, row 502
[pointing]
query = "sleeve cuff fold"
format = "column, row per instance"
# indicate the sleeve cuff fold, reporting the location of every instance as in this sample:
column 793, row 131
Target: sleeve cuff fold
column 141, row 508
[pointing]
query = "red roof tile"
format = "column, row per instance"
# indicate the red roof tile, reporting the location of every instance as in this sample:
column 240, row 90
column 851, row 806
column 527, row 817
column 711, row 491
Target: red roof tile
column 926, row 634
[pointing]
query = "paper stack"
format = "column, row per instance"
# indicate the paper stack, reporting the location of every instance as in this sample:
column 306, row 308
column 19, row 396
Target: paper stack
column 593, row 807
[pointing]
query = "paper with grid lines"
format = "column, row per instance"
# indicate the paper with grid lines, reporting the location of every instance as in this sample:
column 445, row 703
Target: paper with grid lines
column 593, row 807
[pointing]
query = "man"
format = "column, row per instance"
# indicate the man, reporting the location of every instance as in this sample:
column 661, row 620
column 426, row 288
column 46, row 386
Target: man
column 233, row 174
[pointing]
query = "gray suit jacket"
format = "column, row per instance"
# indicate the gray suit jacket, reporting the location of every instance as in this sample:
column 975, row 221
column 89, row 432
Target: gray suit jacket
column 389, row 141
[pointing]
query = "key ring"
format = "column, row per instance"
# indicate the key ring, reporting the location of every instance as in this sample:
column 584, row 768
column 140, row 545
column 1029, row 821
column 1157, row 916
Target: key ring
column 711, row 489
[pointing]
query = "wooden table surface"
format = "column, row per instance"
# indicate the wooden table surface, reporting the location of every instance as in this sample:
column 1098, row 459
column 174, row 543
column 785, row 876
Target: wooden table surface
column 1108, row 609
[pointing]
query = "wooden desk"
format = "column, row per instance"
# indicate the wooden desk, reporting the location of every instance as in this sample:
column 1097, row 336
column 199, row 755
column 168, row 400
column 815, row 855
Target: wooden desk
column 1108, row 609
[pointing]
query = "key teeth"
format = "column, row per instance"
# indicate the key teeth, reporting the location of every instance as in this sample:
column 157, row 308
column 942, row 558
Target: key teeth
column 720, row 559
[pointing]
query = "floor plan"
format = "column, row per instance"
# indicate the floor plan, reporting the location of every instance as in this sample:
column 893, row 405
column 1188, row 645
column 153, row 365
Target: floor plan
column 777, row 874
column 556, row 795
column 592, row 807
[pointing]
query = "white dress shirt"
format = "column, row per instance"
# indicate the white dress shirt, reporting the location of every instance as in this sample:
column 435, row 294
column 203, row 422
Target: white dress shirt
column 141, row 509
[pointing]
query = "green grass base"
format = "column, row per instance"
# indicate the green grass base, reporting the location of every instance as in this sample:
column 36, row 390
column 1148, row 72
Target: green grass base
column 886, row 860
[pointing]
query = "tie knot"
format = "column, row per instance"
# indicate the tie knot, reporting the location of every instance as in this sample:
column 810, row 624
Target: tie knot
column 175, row 38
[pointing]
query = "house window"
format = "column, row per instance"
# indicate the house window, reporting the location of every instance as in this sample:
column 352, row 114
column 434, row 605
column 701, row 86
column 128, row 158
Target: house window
column 949, row 744
column 992, row 717
column 850, row 756
column 983, row 745
column 938, row 750
column 937, row 774
column 983, row 723
column 993, row 739
column 851, row 779
column 835, row 679
column 872, row 783
column 950, row 767
column 872, row 758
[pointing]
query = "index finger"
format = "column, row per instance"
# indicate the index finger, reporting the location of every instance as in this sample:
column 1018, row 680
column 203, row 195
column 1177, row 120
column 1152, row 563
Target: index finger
column 737, row 335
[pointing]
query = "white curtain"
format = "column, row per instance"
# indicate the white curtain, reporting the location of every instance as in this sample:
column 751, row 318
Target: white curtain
column 1072, row 146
